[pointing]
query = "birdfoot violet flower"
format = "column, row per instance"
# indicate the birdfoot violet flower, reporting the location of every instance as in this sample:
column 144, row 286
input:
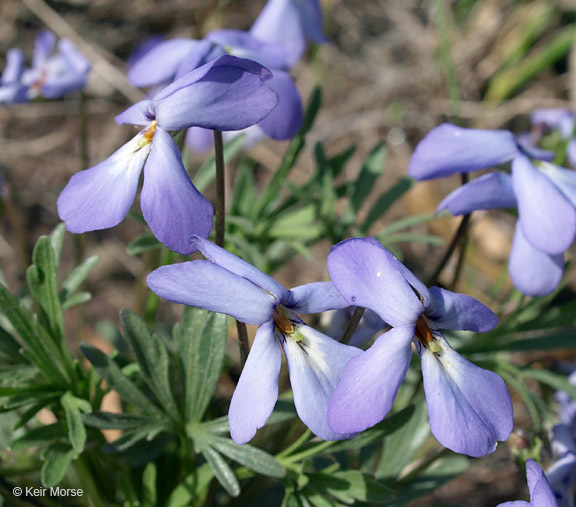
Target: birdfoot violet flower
column 541, row 494
column 469, row 408
column 226, row 284
column 226, row 94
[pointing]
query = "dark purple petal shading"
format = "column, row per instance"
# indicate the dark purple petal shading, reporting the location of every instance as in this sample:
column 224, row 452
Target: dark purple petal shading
column 315, row 297
column 231, row 94
column 533, row 272
column 450, row 310
column 241, row 268
column 257, row 390
column 160, row 64
column 366, row 275
column 548, row 219
column 171, row 204
column 137, row 114
column 206, row 285
column 316, row 364
column 448, row 149
column 469, row 408
column 286, row 118
column 370, row 382
column 100, row 197
column 490, row 191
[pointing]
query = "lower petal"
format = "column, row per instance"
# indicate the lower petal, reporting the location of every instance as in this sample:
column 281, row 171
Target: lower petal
column 171, row 204
column 370, row 382
column 257, row 390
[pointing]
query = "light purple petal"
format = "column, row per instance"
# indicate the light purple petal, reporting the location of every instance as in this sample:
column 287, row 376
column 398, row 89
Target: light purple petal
column 43, row 46
column 257, row 390
column 448, row 149
column 100, row 197
column 231, row 95
column 137, row 114
column 541, row 494
column 77, row 61
column 199, row 139
column 370, row 382
column 515, row 503
column 206, row 285
column 159, row 64
column 316, row 364
column 450, row 310
column 490, row 191
column 526, row 142
column 241, row 268
column 315, row 297
column 205, row 52
column 561, row 119
column 286, row 118
column 563, row 179
column 14, row 67
column 366, row 275
column 469, row 408
column 171, row 204
column 533, row 272
column 548, row 219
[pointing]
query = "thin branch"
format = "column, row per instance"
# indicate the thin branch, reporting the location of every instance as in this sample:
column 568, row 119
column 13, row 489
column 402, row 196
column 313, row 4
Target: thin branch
column 352, row 325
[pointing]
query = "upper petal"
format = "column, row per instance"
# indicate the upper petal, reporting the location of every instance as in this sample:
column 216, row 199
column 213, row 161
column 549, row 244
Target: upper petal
column 548, row 218
column 541, row 493
column 490, row 191
column 257, row 389
column 43, row 46
column 231, row 94
column 366, row 275
column 564, row 179
column 241, row 268
column 370, row 382
column 448, row 149
column 100, row 197
column 533, row 272
column 450, row 310
column 469, row 408
column 171, row 204
column 136, row 114
column 14, row 67
column 206, row 285
column 316, row 364
column 315, row 297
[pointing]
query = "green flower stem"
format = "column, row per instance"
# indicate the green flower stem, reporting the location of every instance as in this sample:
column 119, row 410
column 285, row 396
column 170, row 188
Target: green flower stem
column 296, row 444
column 352, row 325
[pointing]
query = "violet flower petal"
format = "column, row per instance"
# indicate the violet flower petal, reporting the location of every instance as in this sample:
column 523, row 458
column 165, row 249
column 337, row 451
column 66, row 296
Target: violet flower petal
column 450, row 310
column 533, row 272
column 563, row 179
column 490, row 191
column 541, row 494
column 366, row 275
column 370, row 382
column 532, row 150
column 100, row 197
column 171, row 204
column 136, row 114
column 43, row 46
column 469, row 408
column 315, row 297
column 206, row 285
column 448, row 149
column 257, row 390
column 561, row 119
column 316, row 364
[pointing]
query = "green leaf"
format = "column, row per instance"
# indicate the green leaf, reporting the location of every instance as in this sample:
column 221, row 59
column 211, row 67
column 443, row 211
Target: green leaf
column 38, row 437
column 57, row 240
column 251, row 457
column 76, row 428
column 57, row 459
column 18, row 374
column 386, row 200
column 130, row 438
column 296, row 224
column 77, row 277
column 557, row 382
column 193, row 489
column 26, row 395
column 142, row 244
column 352, row 485
column 9, row 347
column 110, row 372
column 76, row 299
column 201, row 338
column 110, row 420
column 149, row 493
column 152, row 357
column 406, row 222
column 410, row 237
column 372, row 168
column 222, row 471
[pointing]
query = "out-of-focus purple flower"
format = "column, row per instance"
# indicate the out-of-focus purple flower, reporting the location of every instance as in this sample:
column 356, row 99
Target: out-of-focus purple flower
column 226, row 94
column 54, row 74
column 561, row 120
column 544, row 194
column 290, row 24
column 562, row 473
column 12, row 91
column 370, row 325
column 541, row 494
column 469, row 408
column 226, row 284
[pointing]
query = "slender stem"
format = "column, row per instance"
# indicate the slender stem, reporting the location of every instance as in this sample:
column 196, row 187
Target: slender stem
column 459, row 237
column 306, row 435
column 221, row 228
column 352, row 325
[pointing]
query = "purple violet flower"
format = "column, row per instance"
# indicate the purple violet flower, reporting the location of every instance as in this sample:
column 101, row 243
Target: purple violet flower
column 562, row 474
column 541, row 494
column 226, row 94
column 226, row 284
column 469, row 408
column 544, row 194
column 561, row 120
column 12, row 91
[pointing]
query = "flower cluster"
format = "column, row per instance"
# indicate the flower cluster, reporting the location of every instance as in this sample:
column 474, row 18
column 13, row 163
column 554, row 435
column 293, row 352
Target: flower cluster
column 543, row 193
column 57, row 69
